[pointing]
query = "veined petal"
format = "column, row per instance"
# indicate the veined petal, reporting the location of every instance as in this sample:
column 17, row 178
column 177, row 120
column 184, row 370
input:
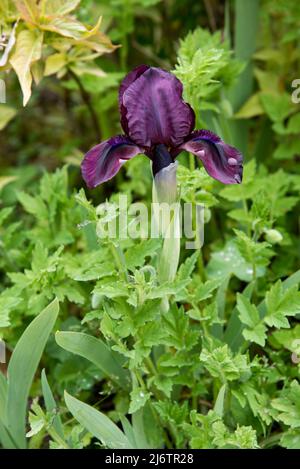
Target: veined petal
column 103, row 161
column 155, row 110
column 222, row 162
column 128, row 80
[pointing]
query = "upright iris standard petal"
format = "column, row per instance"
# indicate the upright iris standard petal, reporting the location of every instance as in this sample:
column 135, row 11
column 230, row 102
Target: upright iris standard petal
column 128, row 80
column 222, row 162
column 155, row 111
column 103, row 161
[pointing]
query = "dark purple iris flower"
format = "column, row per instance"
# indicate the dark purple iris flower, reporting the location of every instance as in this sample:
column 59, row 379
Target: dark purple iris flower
column 157, row 122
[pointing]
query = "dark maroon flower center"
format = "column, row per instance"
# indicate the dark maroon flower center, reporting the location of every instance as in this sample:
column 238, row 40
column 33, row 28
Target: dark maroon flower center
column 161, row 158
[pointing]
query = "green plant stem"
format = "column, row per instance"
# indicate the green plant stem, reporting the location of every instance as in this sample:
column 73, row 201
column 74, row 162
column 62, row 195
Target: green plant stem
column 245, row 207
column 88, row 102
column 210, row 15
column 119, row 260
column 53, row 433
column 192, row 161
column 200, row 263
column 150, row 366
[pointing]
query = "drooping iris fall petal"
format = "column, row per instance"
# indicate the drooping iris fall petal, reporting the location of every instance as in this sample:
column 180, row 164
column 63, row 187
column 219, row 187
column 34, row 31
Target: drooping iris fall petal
column 222, row 162
column 103, row 161
column 153, row 111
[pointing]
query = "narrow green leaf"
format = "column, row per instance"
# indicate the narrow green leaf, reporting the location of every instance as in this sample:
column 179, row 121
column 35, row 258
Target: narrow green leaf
column 51, row 404
column 3, row 397
column 97, row 424
column 95, row 351
column 138, row 426
column 5, row 438
column 128, row 430
column 219, row 404
column 22, row 367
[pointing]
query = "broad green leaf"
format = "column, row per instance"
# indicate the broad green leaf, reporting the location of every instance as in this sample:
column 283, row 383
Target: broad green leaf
column 135, row 256
column 278, row 107
column 22, row 367
column 97, row 424
column 64, row 26
column 97, row 352
column 280, row 304
column 28, row 10
column 288, row 405
column 291, row 439
column 251, row 108
column 230, row 261
column 27, row 51
column 248, row 312
column 34, row 205
column 289, row 339
column 257, row 334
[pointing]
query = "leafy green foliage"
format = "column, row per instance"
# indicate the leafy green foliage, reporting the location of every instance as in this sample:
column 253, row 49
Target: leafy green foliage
column 209, row 356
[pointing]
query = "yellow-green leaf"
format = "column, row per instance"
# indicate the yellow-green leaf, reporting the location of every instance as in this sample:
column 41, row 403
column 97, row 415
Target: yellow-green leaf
column 37, row 71
column 55, row 63
column 7, row 113
column 28, row 10
column 6, row 180
column 60, row 7
column 251, row 108
column 28, row 50
column 65, row 26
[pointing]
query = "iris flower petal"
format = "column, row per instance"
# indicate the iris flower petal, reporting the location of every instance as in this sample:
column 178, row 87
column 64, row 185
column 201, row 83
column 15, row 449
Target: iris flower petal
column 155, row 111
column 128, row 80
column 103, row 161
column 222, row 162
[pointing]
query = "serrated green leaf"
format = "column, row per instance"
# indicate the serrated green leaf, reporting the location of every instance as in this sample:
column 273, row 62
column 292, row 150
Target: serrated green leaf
column 138, row 398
